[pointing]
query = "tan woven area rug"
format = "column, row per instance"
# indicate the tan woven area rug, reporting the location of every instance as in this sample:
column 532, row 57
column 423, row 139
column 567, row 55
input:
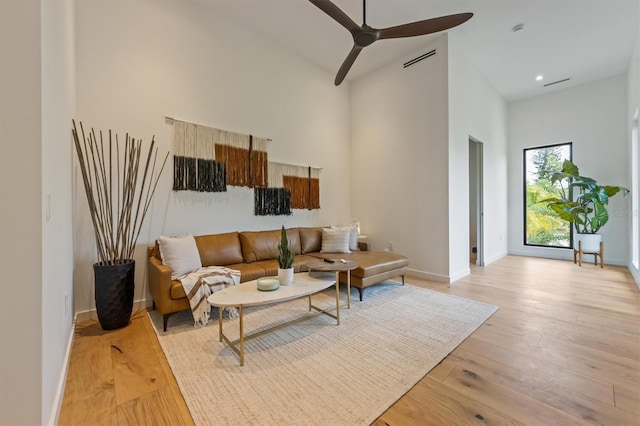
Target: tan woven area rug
column 314, row 372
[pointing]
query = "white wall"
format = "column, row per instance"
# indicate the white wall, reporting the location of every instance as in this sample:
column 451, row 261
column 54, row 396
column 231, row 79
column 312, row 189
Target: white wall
column 633, row 83
column 399, row 137
column 20, row 213
column 475, row 110
column 138, row 62
column 410, row 133
column 58, row 95
column 36, row 254
column 594, row 117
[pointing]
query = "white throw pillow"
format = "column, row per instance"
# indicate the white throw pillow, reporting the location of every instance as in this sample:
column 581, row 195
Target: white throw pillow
column 180, row 254
column 353, row 236
column 335, row 240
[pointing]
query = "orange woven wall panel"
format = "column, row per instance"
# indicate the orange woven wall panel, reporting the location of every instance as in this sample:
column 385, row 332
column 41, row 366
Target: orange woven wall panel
column 260, row 169
column 315, row 194
column 301, row 198
column 237, row 161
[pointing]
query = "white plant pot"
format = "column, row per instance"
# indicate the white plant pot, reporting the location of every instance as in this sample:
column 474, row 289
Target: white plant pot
column 590, row 243
column 285, row 276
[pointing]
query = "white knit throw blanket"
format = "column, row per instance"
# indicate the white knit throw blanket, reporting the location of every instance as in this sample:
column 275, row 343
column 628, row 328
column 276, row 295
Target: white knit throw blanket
column 200, row 284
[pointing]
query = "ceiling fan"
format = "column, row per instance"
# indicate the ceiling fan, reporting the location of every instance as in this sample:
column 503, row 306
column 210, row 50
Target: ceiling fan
column 365, row 35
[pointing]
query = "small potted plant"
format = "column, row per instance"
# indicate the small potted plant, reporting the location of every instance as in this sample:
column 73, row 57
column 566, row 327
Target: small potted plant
column 285, row 260
column 582, row 202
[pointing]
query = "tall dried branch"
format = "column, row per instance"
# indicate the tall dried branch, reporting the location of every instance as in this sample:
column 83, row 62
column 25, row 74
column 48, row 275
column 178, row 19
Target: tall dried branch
column 118, row 192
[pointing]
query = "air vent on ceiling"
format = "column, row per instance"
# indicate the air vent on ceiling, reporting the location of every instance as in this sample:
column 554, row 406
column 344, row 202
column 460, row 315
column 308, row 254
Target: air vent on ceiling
column 557, row 82
column 419, row 58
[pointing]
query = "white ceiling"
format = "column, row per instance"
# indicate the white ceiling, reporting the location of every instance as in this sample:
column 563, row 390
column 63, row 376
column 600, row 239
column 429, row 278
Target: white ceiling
column 584, row 40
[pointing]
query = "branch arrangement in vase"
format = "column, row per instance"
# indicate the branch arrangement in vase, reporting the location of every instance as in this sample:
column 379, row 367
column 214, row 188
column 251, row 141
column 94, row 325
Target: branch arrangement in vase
column 118, row 191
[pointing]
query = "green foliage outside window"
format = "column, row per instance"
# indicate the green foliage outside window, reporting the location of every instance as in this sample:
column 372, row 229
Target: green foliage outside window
column 543, row 226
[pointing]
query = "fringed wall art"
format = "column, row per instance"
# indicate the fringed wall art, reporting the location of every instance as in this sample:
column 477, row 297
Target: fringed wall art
column 272, row 202
column 208, row 160
column 302, row 182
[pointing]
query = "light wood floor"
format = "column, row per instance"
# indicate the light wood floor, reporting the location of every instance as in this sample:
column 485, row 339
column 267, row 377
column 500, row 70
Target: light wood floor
column 564, row 348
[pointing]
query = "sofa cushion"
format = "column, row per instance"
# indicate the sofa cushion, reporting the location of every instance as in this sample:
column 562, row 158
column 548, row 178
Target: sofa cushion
column 371, row 262
column 248, row 271
column 270, row 267
column 376, row 262
column 335, row 240
column 180, row 254
column 263, row 245
column 219, row 249
column 310, row 240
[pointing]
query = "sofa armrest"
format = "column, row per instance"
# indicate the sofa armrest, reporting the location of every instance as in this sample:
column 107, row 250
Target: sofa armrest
column 160, row 284
column 363, row 245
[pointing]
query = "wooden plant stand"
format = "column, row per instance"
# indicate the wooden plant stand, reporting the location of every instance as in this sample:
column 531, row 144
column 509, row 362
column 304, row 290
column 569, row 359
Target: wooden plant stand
column 577, row 254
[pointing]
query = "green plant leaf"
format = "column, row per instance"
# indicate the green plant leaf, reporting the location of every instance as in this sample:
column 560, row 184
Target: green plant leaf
column 600, row 218
column 551, row 200
column 613, row 190
column 564, row 210
column 570, row 169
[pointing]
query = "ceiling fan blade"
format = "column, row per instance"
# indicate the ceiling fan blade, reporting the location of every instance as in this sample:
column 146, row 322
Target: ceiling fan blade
column 428, row 26
column 346, row 65
column 333, row 11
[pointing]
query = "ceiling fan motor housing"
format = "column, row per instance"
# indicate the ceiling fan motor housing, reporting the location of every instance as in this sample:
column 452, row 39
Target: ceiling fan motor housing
column 366, row 37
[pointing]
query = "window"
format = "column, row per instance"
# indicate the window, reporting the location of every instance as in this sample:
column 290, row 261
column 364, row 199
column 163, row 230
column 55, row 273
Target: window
column 542, row 226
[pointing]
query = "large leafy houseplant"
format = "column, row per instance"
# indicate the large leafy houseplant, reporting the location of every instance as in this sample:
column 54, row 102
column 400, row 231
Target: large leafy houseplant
column 582, row 200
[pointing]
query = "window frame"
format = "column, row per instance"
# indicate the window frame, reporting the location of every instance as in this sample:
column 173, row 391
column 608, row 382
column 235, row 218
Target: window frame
column 524, row 195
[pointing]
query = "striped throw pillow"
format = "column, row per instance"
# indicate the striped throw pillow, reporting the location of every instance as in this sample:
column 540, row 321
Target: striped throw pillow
column 335, row 240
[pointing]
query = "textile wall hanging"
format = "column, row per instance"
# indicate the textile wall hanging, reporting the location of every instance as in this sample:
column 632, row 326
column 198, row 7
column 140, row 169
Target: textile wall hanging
column 272, row 202
column 208, row 160
column 302, row 182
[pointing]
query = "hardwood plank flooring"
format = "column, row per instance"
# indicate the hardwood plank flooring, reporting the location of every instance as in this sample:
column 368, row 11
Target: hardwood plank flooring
column 564, row 348
column 121, row 377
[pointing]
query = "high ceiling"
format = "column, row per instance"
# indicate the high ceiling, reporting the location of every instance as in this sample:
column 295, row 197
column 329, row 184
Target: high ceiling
column 583, row 40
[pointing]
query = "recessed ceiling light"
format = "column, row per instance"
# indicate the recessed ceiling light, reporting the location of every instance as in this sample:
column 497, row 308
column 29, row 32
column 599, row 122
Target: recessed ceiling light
column 538, row 78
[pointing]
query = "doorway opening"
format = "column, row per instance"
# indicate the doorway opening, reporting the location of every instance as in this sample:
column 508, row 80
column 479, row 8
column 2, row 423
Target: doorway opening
column 476, row 202
column 635, row 194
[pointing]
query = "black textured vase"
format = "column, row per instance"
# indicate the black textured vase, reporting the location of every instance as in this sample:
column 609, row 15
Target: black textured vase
column 114, row 293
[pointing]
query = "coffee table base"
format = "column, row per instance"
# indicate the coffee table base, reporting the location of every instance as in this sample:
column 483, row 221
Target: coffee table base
column 237, row 345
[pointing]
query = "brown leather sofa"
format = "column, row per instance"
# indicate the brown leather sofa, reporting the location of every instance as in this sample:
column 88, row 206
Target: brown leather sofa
column 253, row 253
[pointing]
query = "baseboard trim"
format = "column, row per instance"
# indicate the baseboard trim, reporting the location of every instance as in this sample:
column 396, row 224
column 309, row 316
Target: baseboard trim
column 428, row 276
column 552, row 254
column 455, row 277
column 568, row 255
column 495, row 258
column 62, row 380
column 92, row 313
